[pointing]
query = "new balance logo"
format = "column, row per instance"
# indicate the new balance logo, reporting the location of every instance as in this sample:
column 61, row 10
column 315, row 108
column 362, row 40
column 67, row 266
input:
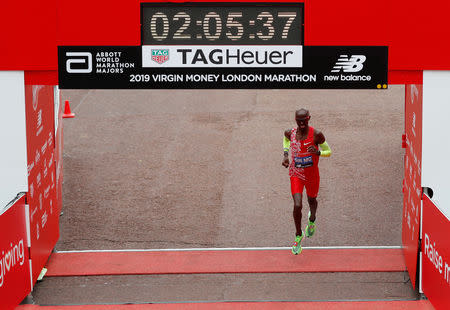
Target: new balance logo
column 354, row 63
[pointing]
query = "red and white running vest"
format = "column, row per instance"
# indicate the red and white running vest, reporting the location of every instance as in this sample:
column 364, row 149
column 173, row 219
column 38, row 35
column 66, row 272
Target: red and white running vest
column 304, row 165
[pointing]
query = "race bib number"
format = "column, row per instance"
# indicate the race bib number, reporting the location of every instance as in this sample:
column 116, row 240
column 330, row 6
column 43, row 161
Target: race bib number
column 303, row 162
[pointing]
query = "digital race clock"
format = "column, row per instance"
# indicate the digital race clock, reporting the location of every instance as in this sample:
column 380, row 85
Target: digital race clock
column 201, row 45
column 222, row 23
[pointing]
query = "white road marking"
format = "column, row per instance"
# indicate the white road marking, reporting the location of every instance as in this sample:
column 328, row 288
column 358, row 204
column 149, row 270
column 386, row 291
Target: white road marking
column 232, row 249
column 82, row 100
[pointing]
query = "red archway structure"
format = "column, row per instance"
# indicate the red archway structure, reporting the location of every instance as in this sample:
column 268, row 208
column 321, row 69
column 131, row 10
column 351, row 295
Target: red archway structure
column 413, row 31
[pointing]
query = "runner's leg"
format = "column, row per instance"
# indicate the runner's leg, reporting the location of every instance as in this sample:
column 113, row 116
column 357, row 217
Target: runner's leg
column 297, row 213
column 312, row 201
column 296, row 190
column 312, row 190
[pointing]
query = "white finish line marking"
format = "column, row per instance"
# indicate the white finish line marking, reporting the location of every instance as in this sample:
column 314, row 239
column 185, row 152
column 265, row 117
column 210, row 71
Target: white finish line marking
column 233, row 249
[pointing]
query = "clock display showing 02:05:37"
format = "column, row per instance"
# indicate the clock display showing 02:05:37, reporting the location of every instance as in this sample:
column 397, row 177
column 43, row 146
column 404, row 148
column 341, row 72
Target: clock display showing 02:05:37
column 271, row 24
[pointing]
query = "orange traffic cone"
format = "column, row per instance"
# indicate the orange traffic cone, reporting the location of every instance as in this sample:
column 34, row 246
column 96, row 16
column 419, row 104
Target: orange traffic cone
column 67, row 112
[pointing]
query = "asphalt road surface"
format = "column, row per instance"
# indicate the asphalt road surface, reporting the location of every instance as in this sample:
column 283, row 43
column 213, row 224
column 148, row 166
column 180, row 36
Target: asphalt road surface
column 157, row 169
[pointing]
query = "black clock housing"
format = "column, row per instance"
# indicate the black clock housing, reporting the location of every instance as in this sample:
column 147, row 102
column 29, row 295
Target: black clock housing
column 222, row 23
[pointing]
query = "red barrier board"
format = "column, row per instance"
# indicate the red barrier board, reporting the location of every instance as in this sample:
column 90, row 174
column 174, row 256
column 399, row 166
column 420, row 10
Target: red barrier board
column 412, row 182
column 44, row 215
column 14, row 262
column 435, row 255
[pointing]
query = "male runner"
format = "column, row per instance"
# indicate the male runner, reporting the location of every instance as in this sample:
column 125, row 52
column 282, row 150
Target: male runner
column 304, row 142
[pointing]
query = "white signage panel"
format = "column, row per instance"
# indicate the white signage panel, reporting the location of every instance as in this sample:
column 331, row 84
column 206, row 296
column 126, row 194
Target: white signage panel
column 436, row 137
column 222, row 56
column 13, row 140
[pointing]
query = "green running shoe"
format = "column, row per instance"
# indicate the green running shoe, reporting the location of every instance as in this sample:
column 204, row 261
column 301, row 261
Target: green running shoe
column 297, row 246
column 310, row 228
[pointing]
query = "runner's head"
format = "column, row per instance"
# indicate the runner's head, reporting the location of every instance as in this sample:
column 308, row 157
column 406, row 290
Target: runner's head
column 302, row 118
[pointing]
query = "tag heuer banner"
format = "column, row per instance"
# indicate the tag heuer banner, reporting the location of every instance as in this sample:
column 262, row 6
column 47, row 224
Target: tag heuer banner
column 222, row 66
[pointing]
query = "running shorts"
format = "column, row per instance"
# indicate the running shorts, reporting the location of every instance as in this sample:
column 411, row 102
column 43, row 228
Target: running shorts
column 312, row 186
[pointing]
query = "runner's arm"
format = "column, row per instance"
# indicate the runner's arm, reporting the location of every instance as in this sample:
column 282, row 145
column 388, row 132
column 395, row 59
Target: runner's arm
column 325, row 150
column 286, row 145
column 286, row 141
column 319, row 139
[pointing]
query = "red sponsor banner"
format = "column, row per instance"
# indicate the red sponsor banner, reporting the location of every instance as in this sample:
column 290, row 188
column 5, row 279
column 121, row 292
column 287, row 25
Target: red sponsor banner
column 15, row 282
column 44, row 215
column 412, row 182
column 435, row 255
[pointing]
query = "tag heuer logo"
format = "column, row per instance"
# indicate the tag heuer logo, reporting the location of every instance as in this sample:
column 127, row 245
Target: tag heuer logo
column 160, row 56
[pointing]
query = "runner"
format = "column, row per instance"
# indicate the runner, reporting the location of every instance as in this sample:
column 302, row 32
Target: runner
column 304, row 142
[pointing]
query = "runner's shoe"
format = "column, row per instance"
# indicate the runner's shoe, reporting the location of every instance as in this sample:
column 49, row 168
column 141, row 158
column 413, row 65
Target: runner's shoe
column 297, row 246
column 311, row 228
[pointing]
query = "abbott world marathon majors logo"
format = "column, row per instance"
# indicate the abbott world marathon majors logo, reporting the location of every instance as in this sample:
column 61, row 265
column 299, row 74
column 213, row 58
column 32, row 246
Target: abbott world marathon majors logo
column 221, row 56
column 346, row 65
column 106, row 62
